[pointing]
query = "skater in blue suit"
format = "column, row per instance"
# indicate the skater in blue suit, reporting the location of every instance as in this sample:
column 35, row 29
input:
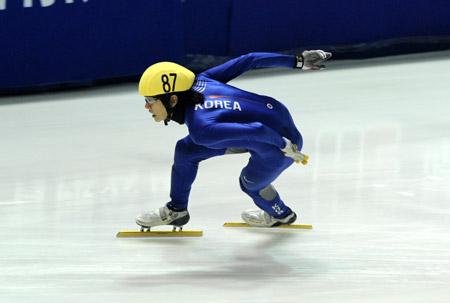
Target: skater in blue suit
column 221, row 120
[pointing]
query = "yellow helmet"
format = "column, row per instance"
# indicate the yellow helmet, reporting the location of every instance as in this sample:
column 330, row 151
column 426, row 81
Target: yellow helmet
column 165, row 78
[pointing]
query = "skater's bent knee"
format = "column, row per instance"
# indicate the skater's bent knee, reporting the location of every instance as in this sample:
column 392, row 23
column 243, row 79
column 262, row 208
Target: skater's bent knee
column 184, row 152
column 247, row 185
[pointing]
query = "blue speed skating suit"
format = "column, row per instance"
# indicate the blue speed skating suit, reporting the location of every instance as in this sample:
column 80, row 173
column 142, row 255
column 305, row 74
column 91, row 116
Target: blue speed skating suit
column 232, row 120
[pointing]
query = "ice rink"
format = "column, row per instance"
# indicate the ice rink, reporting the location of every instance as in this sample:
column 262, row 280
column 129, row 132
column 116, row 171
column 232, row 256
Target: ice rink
column 78, row 166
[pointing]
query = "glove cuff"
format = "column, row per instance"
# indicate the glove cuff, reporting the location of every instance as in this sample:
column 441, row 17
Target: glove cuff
column 299, row 61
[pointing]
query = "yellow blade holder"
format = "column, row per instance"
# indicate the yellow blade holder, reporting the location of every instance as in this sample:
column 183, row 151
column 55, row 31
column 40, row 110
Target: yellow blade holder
column 292, row 226
column 160, row 233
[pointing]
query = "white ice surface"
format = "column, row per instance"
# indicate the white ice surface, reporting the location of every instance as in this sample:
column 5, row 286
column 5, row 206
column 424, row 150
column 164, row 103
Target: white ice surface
column 76, row 167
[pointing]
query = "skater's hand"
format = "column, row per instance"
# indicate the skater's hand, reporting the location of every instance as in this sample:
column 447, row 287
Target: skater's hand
column 291, row 151
column 312, row 59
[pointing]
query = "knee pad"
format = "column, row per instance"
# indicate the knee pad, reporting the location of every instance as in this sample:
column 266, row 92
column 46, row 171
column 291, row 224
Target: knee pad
column 268, row 193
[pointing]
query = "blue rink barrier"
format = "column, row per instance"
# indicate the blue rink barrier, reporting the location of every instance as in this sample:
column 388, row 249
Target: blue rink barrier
column 56, row 41
column 62, row 43
column 283, row 25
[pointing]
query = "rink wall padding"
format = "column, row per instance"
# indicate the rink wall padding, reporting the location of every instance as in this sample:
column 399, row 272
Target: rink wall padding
column 80, row 41
column 60, row 42
column 276, row 26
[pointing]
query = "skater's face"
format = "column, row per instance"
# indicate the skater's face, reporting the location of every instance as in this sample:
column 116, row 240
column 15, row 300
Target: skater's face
column 157, row 108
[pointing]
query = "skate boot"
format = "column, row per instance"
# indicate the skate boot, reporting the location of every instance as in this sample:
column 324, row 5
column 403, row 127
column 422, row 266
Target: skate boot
column 163, row 216
column 259, row 218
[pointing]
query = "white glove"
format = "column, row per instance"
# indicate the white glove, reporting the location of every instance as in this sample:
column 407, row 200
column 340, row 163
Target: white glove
column 291, row 151
column 312, row 59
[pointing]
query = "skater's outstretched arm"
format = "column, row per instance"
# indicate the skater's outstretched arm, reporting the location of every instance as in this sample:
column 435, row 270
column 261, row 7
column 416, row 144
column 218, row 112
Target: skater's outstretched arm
column 233, row 68
column 309, row 60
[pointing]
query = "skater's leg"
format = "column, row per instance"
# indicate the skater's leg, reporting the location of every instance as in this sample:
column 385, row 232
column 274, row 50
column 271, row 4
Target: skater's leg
column 184, row 169
column 265, row 165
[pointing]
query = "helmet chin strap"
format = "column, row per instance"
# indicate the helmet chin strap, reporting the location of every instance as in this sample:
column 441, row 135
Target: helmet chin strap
column 170, row 111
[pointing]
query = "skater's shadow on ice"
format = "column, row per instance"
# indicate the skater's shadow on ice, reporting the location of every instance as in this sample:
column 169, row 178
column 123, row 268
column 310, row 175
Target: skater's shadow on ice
column 251, row 263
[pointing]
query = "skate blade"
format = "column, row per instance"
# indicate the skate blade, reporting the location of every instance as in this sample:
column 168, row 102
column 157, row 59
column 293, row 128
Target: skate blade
column 160, row 233
column 292, row 226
